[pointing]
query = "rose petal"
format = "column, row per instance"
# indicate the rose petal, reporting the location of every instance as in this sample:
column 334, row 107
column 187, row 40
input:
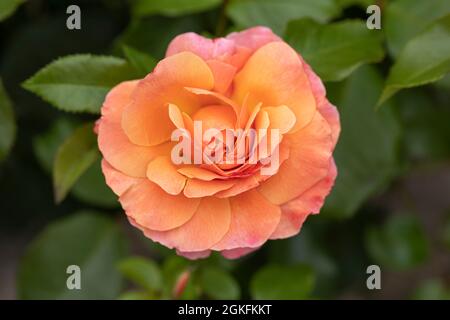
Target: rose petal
column 281, row 118
column 237, row 253
column 274, row 75
column 203, row 47
column 295, row 212
column 211, row 97
column 223, row 75
column 194, row 255
column 162, row 172
column 308, row 163
column 253, row 38
column 112, row 141
column 116, row 180
column 208, row 225
column 152, row 208
column 241, row 185
column 253, row 220
column 198, row 173
column 196, row 188
column 146, row 120
column 326, row 109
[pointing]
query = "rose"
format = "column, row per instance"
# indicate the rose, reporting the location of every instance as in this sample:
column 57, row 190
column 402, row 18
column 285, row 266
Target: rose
column 251, row 79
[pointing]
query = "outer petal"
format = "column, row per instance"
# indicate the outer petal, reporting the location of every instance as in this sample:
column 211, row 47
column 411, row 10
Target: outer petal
column 194, row 255
column 152, row 208
column 274, row 75
column 237, row 253
column 326, row 109
column 114, row 144
column 203, row 47
column 308, row 162
column 116, row 180
column 146, row 120
column 223, row 75
column 295, row 212
column 209, row 224
column 253, row 38
column 253, row 220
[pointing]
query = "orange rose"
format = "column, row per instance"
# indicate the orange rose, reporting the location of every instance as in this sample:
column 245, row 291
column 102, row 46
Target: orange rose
column 250, row 80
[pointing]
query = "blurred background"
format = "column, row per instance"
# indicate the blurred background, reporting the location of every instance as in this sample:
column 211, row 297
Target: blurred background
column 390, row 205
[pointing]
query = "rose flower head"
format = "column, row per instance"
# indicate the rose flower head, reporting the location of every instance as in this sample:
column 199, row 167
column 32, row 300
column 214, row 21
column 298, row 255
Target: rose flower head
column 226, row 144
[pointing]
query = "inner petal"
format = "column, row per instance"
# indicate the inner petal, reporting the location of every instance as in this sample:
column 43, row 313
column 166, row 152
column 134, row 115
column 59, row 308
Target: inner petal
column 215, row 116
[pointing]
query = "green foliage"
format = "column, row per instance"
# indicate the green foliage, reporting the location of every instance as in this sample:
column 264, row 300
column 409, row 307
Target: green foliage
column 73, row 158
column 348, row 3
column 87, row 239
column 90, row 186
column 7, row 8
column 7, row 123
column 218, row 284
column 399, row 244
column 405, row 19
column 135, row 295
column 143, row 272
column 446, row 232
column 365, row 165
column 433, row 289
column 46, row 144
column 172, row 8
column 417, row 111
column 173, row 268
column 379, row 153
column 86, row 79
column 425, row 59
column 147, row 35
column 275, row 14
column 142, row 62
column 335, row 50
column 283, row 282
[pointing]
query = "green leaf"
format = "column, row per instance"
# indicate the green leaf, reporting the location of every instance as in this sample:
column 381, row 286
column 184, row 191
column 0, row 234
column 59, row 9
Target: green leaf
column 142, row 62
column 8, row 7
column 73, row 158
column 86, row 239
column 275, row 14
column 79, row 83
column 335, row 50
column 282, row 282
column 367, row 151
column 142, row 272
column 444, row 83
column 46, row 144
column 405, row 19
column 399, row 244
column 219, row 284
column 172, row 8
column 147, row 35
column 90, row 187
column 433, row 289
column 7, row 123
column 425, row 59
